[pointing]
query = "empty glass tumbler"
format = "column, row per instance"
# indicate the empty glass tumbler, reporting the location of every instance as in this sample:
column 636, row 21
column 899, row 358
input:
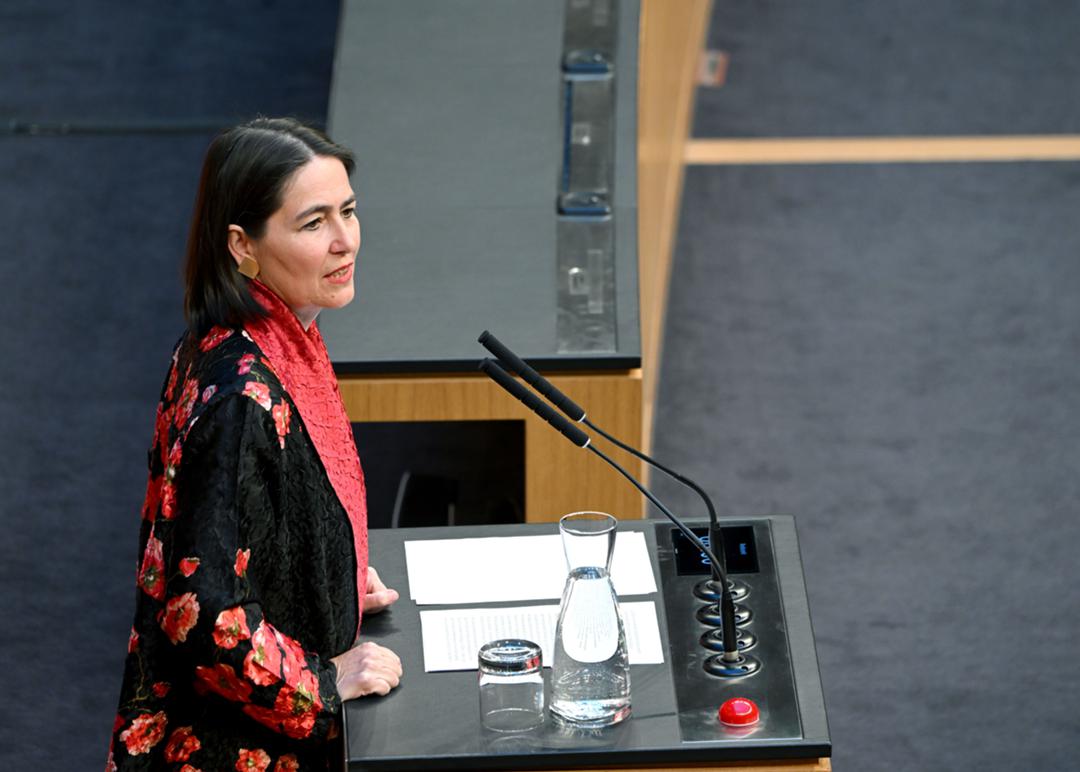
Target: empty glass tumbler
column 511, row 685
column 590, row 677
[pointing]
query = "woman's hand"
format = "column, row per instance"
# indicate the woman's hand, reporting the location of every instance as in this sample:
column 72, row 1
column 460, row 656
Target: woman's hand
column 367, row 669
column 378, row 595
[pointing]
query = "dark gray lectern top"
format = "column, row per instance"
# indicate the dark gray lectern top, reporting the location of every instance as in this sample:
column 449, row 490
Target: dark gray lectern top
column 431, row 721
column 453, row 110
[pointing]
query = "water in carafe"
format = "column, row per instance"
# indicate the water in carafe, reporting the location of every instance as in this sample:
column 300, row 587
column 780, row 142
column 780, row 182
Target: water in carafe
column 590, row 668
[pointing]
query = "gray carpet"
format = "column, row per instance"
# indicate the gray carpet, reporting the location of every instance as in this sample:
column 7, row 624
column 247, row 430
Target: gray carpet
column 893, row 67
column 890, row 354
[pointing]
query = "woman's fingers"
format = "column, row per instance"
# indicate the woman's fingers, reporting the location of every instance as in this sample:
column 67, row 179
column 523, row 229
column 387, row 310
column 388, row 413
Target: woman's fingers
column 378, row 595
column 367, row 669
column 380, row 672
column 374, row 602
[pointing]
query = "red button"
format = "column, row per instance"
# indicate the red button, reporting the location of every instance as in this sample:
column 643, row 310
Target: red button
column 739, row 711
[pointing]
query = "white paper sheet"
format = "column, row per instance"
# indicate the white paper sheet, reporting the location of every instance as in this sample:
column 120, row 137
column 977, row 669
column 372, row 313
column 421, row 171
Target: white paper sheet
column 452, row 637
column 513, row 568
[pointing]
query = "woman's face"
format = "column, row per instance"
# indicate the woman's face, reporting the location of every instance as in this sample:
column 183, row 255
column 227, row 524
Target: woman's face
column 307, row 252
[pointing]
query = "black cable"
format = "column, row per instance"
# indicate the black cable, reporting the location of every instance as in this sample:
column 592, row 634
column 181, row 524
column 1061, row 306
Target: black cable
column 716, row 537
column 670, row 472
column 693, row 537
column 726, row 603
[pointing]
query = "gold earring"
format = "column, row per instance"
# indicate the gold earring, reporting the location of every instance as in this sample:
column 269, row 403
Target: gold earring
column 248, row 267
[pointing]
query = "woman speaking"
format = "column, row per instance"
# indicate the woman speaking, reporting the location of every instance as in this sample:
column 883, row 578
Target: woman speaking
column 253, row 570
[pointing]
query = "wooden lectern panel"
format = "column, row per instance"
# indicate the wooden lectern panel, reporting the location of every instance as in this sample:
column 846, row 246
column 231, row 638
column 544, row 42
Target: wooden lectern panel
column 559, row 477
column 672, row 33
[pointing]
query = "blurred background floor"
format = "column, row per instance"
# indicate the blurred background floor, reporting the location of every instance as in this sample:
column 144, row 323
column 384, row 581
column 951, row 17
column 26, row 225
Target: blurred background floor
column 893, row 68
column 887, row 352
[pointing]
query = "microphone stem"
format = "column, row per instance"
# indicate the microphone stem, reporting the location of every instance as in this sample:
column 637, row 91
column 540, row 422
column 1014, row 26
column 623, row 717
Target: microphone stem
column 693, row 537
column 716, row 538
column 509, row 360
column 726, row 604
column 652, row 462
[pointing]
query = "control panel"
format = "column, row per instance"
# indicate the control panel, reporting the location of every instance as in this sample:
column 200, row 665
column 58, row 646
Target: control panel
column 755, row 696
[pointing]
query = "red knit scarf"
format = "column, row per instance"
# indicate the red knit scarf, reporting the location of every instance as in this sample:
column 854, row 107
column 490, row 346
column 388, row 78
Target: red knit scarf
column 300, row 360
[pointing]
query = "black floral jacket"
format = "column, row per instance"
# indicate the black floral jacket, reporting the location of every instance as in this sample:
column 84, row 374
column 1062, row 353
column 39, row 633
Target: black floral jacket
column 246, row 577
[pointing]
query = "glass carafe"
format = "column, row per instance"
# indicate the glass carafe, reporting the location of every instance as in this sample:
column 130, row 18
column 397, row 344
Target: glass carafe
column 590, row 675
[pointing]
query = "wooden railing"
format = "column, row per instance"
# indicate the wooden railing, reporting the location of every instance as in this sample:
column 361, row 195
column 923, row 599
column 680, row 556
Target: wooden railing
column 672, row 36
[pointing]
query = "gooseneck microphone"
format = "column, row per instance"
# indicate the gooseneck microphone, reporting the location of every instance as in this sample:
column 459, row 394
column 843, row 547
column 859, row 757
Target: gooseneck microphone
column 716, row 537
column 516, row 364
column 535, row 404
column 581, row 439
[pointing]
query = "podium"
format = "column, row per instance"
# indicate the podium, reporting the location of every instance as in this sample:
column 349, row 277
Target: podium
column 431, row 721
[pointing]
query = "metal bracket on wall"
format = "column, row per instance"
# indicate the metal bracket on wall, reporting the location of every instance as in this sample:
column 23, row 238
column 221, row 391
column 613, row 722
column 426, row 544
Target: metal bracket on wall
column 585, row 232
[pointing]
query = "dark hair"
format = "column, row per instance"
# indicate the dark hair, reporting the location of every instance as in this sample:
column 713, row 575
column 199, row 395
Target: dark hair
column 243, row 176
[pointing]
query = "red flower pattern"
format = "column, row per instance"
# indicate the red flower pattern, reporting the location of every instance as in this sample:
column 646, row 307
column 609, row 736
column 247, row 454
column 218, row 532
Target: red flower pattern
column 287, row 763
column 174, row 374
column 241, row 564
column 259, row 392
column 168, row 500
column 214, row 337
column 188, row 566
column 152, row 572
column 172, row 461
column 144, row 733
column 281, row 415
column 293, row 714
column 221, row 679
column 257, row 760
column 186, row 403
column 163, row 421
column 273, row 658
column 294, row 661
column 182, row 743
column 230, row 628
column 153, row 498
column 262, row 665
column 179, row 616
column 168, row 491
column 189, row 768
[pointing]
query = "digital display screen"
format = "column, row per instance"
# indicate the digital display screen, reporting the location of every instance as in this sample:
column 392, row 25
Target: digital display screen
column 740, row 551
